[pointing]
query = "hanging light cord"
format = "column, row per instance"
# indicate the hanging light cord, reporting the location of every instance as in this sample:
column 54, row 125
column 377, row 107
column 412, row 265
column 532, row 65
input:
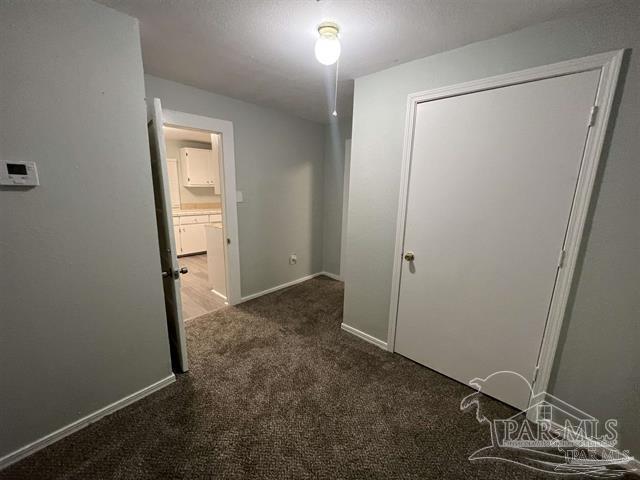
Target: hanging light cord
column 335, row 93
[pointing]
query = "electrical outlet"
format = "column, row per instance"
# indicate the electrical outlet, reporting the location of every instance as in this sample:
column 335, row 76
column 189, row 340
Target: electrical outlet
column 293, row 259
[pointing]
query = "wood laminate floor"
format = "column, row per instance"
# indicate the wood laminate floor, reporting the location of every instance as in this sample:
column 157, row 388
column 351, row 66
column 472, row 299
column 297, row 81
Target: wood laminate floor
column 197, row 298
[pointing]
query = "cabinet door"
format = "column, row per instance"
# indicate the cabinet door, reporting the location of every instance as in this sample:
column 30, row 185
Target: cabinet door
column 193, row 238
column 199, row 166
column 196, row 167
column 176, row 235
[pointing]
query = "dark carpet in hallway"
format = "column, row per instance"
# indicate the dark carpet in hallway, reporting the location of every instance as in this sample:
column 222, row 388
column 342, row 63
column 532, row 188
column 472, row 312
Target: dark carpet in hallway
column 278, row 391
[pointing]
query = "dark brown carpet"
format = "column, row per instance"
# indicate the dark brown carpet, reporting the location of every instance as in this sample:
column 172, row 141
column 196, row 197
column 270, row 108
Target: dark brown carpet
column 277, row 391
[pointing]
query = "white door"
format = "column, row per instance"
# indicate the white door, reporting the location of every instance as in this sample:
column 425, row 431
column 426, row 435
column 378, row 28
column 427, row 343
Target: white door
column 168, row 257
column 193, row 238
column 492, row 181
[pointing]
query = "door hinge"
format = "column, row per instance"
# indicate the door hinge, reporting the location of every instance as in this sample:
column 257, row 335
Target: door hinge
column 592, row 116
column 563, row 253
column 535, row 375
column 228, row 241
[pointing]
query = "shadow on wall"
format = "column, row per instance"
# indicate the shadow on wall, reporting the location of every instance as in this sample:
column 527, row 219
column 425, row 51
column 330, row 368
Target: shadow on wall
column 604, row 158
column 337, row 131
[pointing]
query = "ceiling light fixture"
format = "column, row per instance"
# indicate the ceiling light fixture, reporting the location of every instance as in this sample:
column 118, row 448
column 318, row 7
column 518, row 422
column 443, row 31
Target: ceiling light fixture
column 327, row 52
column 328, row 46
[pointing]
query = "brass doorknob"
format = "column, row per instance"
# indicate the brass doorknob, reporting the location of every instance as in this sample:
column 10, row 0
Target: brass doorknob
column 409, row 256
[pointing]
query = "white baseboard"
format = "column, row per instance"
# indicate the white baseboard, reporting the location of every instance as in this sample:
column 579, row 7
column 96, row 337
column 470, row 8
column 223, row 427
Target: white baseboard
column 82, row 422
column 280, row 287
column 364, row 336
column 289, row 284
column 331, row 275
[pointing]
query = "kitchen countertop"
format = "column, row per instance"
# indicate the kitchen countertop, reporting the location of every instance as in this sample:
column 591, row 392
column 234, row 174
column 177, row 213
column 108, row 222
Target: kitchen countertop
column 203, row 211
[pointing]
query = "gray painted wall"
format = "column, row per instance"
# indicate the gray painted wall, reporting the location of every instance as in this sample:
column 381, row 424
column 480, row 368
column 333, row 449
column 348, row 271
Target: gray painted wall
column 83, row 322
column 597, row 365
column 336, row 134
column 279, row 169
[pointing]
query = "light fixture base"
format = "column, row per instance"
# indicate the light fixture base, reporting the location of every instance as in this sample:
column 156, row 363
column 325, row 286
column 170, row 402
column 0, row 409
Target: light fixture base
column 328, row 29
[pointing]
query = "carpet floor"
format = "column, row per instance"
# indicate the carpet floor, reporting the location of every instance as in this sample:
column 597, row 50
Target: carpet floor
column 277, row 390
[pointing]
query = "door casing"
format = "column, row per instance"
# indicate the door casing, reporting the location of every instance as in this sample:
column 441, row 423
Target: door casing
column 609, row 65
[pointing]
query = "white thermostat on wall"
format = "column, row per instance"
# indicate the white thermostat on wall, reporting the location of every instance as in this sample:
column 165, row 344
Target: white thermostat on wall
column 19, row 174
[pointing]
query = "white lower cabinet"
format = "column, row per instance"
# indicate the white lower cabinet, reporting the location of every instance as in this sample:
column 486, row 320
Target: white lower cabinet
column 192, row 239
column 190, row 234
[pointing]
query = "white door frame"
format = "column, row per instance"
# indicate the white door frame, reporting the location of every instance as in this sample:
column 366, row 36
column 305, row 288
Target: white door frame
column 228, row 174
column 609, row 64
column 345, row 206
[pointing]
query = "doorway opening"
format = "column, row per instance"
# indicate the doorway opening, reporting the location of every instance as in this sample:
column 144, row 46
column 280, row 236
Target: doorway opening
column 193, row 166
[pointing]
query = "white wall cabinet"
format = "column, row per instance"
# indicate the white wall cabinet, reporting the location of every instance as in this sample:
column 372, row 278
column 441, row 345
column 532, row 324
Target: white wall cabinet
column 200, row 168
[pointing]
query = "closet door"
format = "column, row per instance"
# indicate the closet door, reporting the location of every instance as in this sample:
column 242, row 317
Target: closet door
column 491, row 187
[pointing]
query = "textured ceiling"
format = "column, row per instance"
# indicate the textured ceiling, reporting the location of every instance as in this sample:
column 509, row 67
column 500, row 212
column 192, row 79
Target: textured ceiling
column 261, row 51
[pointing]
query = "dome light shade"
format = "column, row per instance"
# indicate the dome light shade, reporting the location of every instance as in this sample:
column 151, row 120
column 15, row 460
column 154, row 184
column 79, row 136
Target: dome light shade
column 327, row 48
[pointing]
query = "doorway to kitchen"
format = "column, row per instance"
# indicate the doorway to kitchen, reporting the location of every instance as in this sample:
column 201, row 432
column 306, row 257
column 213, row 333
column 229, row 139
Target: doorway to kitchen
column 193, row 167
